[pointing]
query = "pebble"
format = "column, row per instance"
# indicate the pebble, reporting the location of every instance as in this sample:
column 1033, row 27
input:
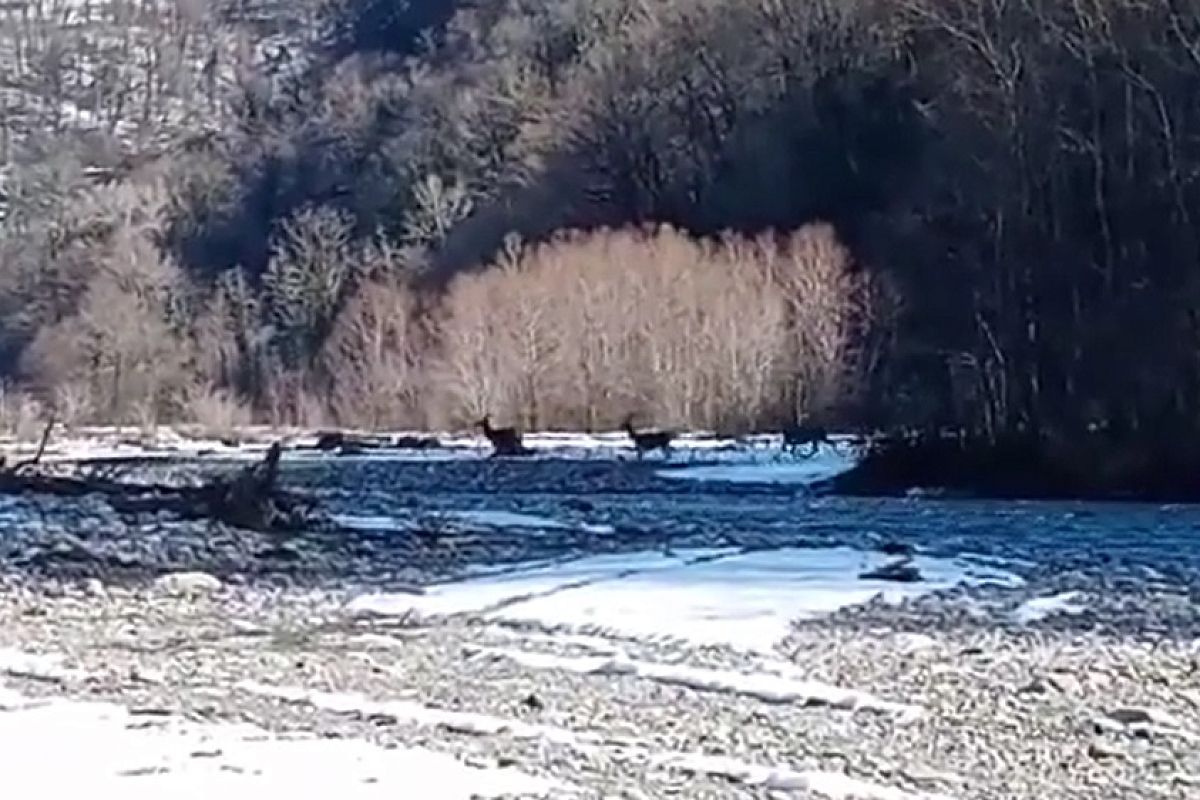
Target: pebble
column 1133, row 715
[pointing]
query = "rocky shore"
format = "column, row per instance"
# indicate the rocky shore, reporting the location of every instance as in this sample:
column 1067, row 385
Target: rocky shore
column 154, row 656
column 859, row 704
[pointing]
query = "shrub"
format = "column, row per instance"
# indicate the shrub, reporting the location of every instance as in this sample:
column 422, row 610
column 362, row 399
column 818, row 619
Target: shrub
column 589, row 327
column 372, row 359
column 218, row 412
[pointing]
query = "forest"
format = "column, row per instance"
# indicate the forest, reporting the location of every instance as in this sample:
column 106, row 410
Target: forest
column 975, row 215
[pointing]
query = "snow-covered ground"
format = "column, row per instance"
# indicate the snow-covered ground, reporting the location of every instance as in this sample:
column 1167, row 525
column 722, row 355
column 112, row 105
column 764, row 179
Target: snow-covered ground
column 827, row 784
column 746, row 600
column 61, row 748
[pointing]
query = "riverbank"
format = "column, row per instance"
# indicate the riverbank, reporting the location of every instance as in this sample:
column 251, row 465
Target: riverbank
column 1089, row 467
column 586, row 627
column 852, row 705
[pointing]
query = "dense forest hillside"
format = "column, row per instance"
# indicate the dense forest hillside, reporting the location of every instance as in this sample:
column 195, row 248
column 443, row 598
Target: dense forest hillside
column 727, row 213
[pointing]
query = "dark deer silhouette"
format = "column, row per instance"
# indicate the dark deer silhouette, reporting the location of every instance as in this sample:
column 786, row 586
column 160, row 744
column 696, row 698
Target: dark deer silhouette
column 648, row 440
column 797, row 436
column 505, row 441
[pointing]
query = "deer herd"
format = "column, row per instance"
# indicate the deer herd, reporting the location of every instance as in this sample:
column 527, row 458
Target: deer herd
column 507, row 441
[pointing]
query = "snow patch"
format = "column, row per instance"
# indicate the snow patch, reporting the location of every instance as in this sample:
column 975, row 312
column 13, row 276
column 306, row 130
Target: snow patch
column 760, row 686
column 832, row 785
column 746, row 600
column 114, row 754
column 477, row 595
column 19, row 664
column 484, row 517
column 802, row 472
column 1041, row 608
column 913, row 642
column 368, row 522
column 612, row 443
column 508, row 519
column 416, row 714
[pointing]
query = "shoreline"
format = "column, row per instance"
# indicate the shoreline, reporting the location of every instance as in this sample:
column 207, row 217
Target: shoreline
column 1091, row 467
column 489, row 696
column 960, row 692
column 1093, row 470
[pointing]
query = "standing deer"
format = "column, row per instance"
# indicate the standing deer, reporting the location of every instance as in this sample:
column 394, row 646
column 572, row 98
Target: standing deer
column 797, row 436
column 648, row 440
column 505, row 441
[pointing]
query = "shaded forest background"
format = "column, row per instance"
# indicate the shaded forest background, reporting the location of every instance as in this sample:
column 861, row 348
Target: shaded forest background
column 717, row 213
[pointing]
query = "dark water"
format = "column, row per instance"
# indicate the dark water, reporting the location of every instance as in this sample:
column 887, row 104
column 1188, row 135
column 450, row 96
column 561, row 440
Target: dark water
column 636, row 502
column 1133, row 560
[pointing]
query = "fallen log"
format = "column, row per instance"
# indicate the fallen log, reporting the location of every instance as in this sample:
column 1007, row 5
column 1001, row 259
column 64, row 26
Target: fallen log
column 250, row 499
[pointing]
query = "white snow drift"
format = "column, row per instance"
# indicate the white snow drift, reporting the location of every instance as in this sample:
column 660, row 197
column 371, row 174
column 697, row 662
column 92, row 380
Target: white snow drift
column 759, row 685
column 746, row 600
column 59, row 748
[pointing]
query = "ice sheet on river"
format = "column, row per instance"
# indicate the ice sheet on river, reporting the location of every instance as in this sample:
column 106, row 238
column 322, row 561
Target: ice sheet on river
column 746, row 600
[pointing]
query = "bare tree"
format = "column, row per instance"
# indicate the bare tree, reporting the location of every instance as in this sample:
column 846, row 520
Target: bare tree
column 373, row 359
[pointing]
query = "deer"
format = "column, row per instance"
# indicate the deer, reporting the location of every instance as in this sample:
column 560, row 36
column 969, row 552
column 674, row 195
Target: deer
column 505, row 441
column 646, row 441
column 797, row 436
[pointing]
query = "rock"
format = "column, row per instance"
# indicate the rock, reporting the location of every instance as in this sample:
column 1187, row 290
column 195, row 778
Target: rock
column 1136, row 715
column 187, row 583
column 417, row 442
column 533, row 703
column 902, row 571
column 1060, row 682
column 279, row 552
column 330, row 440
column 1102, row 751
column 93, row 587
column 894, row 548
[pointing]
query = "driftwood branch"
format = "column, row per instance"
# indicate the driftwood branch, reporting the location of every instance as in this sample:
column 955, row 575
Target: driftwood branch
column 41, row 451
column 250, row 499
